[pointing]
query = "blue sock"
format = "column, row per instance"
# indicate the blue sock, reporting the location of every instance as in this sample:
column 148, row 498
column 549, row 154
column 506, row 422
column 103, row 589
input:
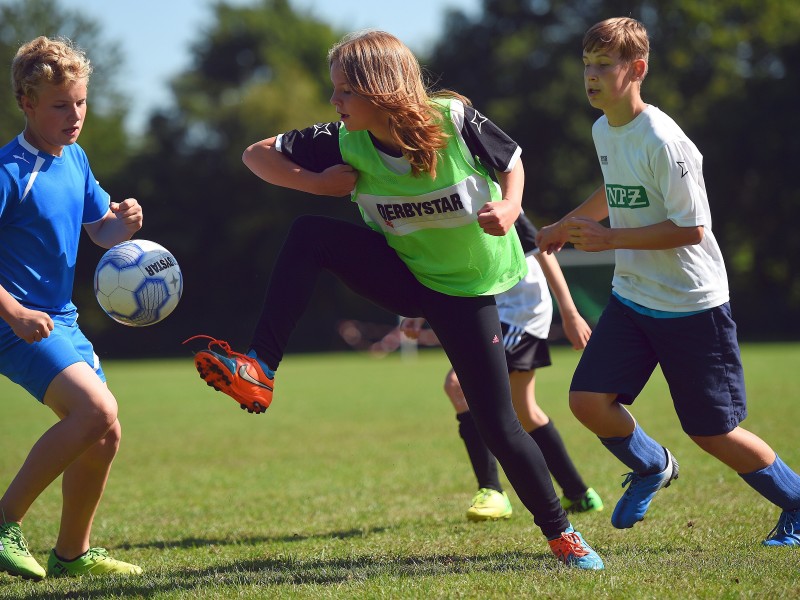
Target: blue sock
column 267, row 371
column 777, row 483
column 641, row 453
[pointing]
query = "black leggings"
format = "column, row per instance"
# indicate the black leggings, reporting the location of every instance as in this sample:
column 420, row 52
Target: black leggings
column 467, row 327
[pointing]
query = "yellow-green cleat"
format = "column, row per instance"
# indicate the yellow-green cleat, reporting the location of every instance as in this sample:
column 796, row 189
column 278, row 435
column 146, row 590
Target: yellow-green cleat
column 95, row 561
column 489, row 505
column 589, row 502
column 15, row 558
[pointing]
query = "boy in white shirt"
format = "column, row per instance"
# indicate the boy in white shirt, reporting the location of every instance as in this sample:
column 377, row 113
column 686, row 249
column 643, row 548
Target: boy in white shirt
column 670, row 303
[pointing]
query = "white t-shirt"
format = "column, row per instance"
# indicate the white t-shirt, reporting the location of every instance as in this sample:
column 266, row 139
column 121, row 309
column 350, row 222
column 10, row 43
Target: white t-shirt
column 653, row 172
column 528, row 305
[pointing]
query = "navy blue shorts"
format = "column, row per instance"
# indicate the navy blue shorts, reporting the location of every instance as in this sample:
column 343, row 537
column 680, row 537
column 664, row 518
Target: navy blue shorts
column 34, row 366
column 524, row 352
column 698, row 354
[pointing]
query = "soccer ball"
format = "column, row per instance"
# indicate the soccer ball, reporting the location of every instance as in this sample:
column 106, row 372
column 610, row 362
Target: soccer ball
column 138, row 283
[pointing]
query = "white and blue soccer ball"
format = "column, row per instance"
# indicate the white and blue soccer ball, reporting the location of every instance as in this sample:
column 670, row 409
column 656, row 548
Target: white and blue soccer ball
column 138, row 283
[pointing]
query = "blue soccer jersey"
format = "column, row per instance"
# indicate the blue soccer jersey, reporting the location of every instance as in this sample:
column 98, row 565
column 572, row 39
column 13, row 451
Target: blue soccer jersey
column 44, row 201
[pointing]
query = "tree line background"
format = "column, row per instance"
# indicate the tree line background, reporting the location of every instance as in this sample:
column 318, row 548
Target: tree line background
column 725, row 70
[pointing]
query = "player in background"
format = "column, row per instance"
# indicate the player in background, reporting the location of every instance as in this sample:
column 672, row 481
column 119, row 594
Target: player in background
column 439, row 245
column 47, row 192
column 526, row 313
column 670, row 301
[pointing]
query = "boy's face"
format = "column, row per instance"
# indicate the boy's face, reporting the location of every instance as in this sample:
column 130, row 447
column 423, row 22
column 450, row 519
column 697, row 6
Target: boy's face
column 356, row 112
column 611, row 84
column 55, row 119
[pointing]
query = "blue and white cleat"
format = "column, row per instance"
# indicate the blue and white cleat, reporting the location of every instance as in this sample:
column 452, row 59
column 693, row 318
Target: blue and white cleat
column 634, row 503
column 787, row 531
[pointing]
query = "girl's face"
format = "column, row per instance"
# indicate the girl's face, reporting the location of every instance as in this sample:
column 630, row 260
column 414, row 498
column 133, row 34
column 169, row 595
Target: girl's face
column 612, row 85
column 56, row 118
column 356, row 112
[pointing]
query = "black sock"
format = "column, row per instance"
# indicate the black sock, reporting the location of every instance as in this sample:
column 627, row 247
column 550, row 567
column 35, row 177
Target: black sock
column 483, row 462
column 62, row 559
column 558, row 461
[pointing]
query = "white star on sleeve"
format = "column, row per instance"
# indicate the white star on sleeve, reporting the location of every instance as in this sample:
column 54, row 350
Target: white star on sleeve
column 478, row 119
column 322, row 128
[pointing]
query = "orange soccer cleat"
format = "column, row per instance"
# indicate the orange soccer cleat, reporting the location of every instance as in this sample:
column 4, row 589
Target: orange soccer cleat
column 238, row 375
column 572, row 550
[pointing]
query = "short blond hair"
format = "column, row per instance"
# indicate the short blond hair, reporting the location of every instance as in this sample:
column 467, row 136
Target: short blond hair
column 622, row 34
column 47, row 61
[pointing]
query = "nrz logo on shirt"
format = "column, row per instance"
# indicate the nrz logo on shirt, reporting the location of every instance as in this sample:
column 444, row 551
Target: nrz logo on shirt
column 627, row 196
column 407, row 210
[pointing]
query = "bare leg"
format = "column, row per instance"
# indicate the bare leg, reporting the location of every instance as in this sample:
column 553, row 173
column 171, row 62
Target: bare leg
column 602, row 414
column 523, row 395
column 742, row 451
column 453, row 390
column 88, row 413
column 82, row 487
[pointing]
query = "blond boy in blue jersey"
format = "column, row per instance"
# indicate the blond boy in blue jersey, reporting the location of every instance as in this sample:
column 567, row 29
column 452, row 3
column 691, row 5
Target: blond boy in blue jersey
column 47, row 193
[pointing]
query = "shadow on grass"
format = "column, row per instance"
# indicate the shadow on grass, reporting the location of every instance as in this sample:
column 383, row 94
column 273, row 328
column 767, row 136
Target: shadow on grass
column 194, row 542
column 291, row 572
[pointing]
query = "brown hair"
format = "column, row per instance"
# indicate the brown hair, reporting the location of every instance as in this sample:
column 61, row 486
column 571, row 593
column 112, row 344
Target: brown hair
column 623, row 34
column 47, row 61
column 381, row 69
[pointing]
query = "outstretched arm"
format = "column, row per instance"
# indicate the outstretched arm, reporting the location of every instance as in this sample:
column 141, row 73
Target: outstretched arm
column 581, row 227
column 591, row 236
column 553, row 237
column 267, row 162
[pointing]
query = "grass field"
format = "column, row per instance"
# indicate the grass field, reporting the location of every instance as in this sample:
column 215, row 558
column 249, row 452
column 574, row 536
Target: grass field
column 354, row 485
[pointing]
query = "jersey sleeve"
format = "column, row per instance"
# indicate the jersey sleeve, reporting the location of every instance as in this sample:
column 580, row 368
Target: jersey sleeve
column 527, row 233
column 484, row 139
column 315, row 148
column 679, row 173
column 96, row 199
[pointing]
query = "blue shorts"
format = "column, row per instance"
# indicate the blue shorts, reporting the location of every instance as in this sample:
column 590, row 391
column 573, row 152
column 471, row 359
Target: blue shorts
column 34, row 366
column 698, row 354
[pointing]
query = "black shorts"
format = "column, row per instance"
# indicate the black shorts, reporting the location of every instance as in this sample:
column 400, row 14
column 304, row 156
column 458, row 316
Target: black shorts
column 524, row 352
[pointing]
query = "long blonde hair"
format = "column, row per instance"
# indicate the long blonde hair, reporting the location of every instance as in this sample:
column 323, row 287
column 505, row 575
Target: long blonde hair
column 47, row 61
column 382, row 69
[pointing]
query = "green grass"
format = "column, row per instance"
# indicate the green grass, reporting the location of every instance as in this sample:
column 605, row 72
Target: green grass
column 354, row 485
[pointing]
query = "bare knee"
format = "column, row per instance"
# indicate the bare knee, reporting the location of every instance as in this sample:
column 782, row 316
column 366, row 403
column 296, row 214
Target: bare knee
column 601, row 414
column 452, row 387
column 112, row 437
column 583, row 405
column 99, row 420
column 80, row 398
column 108, row 446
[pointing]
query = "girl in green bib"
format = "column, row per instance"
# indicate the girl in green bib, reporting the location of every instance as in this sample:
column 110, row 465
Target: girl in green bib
column 439, row 243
